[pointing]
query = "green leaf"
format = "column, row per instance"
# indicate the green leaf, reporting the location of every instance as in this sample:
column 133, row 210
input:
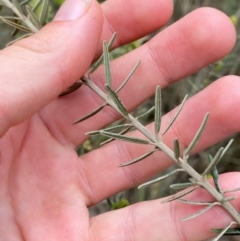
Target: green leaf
column 158, row 111
column 120, row 133
column 159, row 178
column 231, row 231
column 19, row 38
column 116, row 101
column 124, row 138
column 202, row 211
column 179, row 186
column 227, row 231
column 180, row 194
column 138, row 159
column 12, row 24
column 18, row 6
column 128, row 77
column 176, row 115
column 100, row 60
column 198, row 135
column 214, row 161
column 90, row 114
column 44, row 12
column 146, row 113
column 71, row 89
column 214, row 174
column 106, row 62
column 176, row 148
column 33, row 17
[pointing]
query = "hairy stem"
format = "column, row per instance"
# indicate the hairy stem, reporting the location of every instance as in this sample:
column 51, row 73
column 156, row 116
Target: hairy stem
column 200, row 180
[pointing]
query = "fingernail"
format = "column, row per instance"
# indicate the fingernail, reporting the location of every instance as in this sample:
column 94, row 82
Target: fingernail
column 72, row 9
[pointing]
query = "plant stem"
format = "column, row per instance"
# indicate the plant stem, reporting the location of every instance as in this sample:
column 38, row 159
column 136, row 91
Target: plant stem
column 23, row 18
column 200, row 180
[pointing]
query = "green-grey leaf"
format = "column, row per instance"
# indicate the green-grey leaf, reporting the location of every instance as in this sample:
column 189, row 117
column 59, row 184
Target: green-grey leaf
column 158, row 111
column 128, row 77
column 180, row 194
column 44, row 12
column 227, row 147
column 124, row 138
column 24, row 2
column 116, row 101
column 19, row 38
column 12, row 24
column 214, row 174
column 120, row 133
column 176, row 148
column 33, row 17
column 100, row 60
column 231, row 231
column 202, row 211
column 146, row 113
column 159, row 178
column 106, row 62
column 200, row 203
column 112, row 128
column 138, row 159
column 214, row 162
column 227, row 231
column 198, row 135
column 90, row 114
column 18, row 6
column 179, row 186
column 176, row 115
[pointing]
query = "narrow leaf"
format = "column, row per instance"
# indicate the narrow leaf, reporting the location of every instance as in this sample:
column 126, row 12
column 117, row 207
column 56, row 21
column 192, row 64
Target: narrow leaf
column 227, row 147
column 106, row 62
column 138, row 159
column 176, row 115
column 24, row 2
column 198, row 135
column 202, row 211
column 176, row 148
column 146, row 113
column 71, row 89
column 120, row 133
column 158, row 111
column 116, row 101
column 197, row 203
column 17, row 39
column 12, row 24
column 227, row 231
column 159, row 178
column 33, row 17
column 232, row 190
column 214, row 162
column 128, row 77
column 18, row 6
column 112, row 128
column 100, row 60
column 179, row 186
column 214, row 174
column 124, row 138
column 44, row 12
column 90, row 114
column 180, row 194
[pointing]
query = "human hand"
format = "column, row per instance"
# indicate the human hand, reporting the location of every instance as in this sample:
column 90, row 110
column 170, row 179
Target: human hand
column 46, row 188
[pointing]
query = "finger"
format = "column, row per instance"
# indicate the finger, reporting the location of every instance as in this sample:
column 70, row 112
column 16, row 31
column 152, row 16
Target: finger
column 219, row 99
column 132, row 19
column 48, row 62
column 181, row 49
column 155, row 221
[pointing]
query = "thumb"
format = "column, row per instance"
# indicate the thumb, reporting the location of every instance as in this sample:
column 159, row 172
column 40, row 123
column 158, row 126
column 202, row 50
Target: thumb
column 37, row 69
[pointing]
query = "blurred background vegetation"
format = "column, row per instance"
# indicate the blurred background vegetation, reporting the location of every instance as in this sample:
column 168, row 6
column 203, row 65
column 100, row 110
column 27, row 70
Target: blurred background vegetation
column 190, row 85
